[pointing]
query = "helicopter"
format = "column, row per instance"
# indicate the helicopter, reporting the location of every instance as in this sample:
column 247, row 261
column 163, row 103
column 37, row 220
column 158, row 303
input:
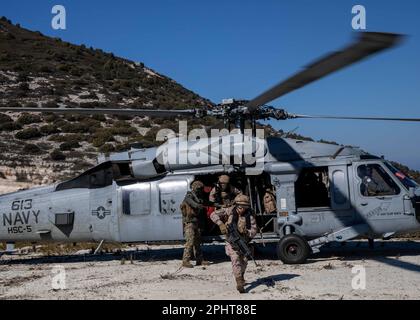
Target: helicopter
column 324, row 193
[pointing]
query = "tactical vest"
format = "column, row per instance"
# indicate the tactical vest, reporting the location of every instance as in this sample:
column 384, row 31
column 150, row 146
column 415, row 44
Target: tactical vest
column 235, row 220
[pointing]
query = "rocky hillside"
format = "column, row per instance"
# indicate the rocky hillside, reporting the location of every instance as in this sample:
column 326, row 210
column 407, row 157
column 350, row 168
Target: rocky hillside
column 36, row 70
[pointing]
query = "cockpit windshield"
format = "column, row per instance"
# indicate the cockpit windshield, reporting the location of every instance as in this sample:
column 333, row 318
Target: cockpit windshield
column 407, row 181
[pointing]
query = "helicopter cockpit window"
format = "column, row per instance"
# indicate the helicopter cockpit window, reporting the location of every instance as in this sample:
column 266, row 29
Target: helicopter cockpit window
column 376, row 182
column 406, row 181
column 97, row 177
column 312, row 188
column 100, row 178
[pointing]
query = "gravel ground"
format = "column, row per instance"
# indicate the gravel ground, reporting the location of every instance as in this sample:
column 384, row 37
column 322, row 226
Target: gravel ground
column 153, row 272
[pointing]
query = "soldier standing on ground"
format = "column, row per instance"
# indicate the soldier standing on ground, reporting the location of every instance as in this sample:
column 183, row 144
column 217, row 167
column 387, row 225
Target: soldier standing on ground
column 240, row 214
column 192, row 212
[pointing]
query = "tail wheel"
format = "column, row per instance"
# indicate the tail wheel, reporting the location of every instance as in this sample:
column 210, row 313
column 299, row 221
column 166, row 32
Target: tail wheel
column 293, row 249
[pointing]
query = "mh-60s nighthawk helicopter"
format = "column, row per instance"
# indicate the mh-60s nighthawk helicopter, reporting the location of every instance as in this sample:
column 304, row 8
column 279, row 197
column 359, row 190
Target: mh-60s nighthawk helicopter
column 324, row 193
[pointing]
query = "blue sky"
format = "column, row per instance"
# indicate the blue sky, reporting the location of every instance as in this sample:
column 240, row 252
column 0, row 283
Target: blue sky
column 223, row 49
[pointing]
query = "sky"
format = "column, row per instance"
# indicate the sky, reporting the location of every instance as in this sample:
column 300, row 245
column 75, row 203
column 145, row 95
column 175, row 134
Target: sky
column 223, row 49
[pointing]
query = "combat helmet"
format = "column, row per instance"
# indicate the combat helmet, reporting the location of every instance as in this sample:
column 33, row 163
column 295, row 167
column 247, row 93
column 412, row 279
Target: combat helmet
column 197, row 185
column 241, row 200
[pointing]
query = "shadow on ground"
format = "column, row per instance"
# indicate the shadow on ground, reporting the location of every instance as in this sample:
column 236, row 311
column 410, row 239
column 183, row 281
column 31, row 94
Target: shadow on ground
column 384, row 251
column 270, row 281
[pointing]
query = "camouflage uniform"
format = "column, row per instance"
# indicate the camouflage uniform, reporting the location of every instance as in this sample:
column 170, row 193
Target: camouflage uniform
column 223, row 197
column 269, row 202
column 370, row 187
column 247, row 227
column 192, row 212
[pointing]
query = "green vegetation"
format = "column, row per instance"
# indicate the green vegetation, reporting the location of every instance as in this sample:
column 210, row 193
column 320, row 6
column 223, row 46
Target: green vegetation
column 5, row 118
column 27, row 118
column 29, row 133
column 70, row 145
column 57, row 155
column 10, row 126
column 49, row 129
column 31, row 149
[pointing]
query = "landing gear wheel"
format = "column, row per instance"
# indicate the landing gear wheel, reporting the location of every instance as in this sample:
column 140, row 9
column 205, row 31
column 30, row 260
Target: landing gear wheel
column 293, row 249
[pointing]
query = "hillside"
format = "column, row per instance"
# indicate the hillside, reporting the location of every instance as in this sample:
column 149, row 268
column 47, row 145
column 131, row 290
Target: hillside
column 36, row 70
column 39, row 71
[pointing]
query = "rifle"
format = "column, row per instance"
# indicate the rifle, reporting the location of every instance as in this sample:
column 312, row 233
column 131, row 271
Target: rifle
column 238, row 242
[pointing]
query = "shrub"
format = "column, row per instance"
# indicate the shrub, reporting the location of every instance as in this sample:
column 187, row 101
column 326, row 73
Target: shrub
column 24, row 86
column 107, row 148
column 57, row 155
column 10, row 126
column 121, row 123
column 67, row 138
column 45, row 69
column 49, row 129
column 101, row 137
column 31, row 105
column 28, row 118
column 75, row 128
column 92, row 124
column 70, row 145
column 31, row 149
column 72, row 117
column 59, row 122
column 50, row 104
column 124, row 131
column 29, row 133
column 51, row 117
column 144, row 123
column 99, row 117
column 5, row 118
column 64, row 67
column 13, row 104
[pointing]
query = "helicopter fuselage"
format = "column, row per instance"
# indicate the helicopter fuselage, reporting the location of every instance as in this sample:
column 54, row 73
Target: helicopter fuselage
column 103, row 205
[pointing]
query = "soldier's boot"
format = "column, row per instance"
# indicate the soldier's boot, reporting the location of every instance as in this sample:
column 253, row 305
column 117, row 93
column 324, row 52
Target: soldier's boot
column 202, row 263
column 187, row 264
column 240, row 284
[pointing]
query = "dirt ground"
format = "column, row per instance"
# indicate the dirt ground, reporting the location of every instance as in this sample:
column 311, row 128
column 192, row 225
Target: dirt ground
column 153, row 272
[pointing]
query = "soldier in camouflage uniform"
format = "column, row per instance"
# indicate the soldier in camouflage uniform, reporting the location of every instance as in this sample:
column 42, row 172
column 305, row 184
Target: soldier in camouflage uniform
column 369, row 187
column 223, row 193
column 269, row 201
column 193, row 213
column 241, row 214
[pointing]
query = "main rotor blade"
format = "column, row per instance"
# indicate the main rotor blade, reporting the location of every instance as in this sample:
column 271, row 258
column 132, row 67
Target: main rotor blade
column 304, row 116
column 131, row 112
column 367, row 44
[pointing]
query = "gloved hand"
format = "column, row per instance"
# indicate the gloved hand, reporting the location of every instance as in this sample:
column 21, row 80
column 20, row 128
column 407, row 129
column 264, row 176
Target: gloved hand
column 223, row 228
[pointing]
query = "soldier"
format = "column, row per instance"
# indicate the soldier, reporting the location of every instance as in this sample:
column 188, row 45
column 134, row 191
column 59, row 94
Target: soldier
column 223, row 193
column 192, row 212
column 369, row 186
column 241, row 214
column 269, row 201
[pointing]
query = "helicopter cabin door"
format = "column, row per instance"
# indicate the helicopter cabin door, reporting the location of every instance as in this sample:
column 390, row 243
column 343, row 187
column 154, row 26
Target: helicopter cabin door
column 380, row 198
column 323, row 199
column 150, row 211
